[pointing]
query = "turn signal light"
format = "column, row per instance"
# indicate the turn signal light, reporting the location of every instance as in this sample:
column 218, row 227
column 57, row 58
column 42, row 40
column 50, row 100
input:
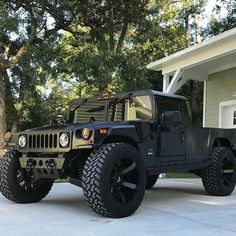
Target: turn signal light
column 103, row 131
column 86, row 133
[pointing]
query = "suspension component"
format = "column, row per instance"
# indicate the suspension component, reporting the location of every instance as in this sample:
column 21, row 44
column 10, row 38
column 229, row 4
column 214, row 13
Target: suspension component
column 42, row 163
column 30, row 164
column 50, row 164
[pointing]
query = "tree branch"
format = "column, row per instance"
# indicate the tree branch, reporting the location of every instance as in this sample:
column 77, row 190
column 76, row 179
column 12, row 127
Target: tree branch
column 122, row 36
column 15, row 59
column 123, row 30
column 6, row 52
column 3, row 123
column 111, row 27
column 4, row 56
column 12, row 120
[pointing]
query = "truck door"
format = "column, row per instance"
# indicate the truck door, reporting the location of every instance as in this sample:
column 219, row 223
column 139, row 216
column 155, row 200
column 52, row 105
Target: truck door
column 171, row 138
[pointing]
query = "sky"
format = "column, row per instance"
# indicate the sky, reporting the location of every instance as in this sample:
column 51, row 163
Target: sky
column 210, row 6
column 209, row 13
column 209, row 9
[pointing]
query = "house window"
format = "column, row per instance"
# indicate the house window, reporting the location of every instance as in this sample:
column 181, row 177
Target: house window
column 234, row 121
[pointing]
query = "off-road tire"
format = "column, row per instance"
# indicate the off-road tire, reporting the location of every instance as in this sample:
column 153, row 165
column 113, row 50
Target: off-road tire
column 151, row 181
column 219, row 177
column 9, row 187
column 98, row 180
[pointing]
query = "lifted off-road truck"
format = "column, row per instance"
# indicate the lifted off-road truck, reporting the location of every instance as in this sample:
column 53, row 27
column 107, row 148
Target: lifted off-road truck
column 115, row 147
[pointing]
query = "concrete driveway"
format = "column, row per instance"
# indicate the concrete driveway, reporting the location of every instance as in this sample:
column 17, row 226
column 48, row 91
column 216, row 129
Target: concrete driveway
column 173, row 207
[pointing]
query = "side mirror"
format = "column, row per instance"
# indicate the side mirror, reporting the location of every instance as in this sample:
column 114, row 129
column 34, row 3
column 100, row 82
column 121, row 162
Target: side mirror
column 171, row 118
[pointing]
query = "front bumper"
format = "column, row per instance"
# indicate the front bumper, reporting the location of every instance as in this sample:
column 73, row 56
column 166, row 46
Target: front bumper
column 42, row 163
column 46, row 167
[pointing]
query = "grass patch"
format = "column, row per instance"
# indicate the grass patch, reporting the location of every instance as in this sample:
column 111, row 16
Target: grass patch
column 61, row 181
column 168, row 176
column 181, row 175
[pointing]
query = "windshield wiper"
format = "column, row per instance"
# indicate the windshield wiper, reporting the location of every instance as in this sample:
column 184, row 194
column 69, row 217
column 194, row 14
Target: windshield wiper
column 126, row 96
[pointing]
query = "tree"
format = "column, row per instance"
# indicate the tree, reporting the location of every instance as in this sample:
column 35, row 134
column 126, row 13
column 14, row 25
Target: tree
column 112, row 42
column 24, row 29
column 191, row 13
column 87, row 47
column 221, row 24
column 94, row 49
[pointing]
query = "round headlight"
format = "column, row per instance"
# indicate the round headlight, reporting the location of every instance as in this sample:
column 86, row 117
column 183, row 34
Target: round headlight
column 86, row 133
column 22, row 141
column 64, row 139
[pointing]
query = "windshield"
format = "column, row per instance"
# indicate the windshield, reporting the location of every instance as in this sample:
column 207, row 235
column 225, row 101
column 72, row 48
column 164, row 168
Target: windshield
column 139, row 108
column 132, row 108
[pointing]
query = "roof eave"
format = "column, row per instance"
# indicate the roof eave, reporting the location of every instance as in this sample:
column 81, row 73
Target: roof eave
column 157, row 65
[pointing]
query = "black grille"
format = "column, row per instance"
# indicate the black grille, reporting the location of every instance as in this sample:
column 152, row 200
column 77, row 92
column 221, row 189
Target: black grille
column 43, row 141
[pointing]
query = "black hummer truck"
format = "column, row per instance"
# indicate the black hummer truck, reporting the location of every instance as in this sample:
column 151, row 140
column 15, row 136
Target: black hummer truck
column 115, row 147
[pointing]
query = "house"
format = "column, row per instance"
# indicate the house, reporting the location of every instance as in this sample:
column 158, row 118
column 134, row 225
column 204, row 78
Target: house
column 212, row 61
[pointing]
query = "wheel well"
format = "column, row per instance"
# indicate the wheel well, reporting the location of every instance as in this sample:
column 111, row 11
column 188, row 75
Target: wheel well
column 76, row 161
column 121, row 139
column 222, row 142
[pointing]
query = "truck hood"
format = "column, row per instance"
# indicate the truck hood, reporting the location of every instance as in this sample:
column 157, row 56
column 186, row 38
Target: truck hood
column 74, row 127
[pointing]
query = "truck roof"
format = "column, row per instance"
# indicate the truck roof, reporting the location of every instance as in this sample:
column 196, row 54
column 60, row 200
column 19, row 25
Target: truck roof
column 167, row 95
column 137, row 92
column 158, row 93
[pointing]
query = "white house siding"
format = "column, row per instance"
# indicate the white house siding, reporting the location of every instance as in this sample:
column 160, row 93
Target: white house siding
column 220, row 87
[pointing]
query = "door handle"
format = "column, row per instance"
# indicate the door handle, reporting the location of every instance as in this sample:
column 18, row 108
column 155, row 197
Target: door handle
column 182, row 136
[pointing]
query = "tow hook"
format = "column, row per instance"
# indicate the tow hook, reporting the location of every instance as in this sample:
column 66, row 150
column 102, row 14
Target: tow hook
column 30, row 165
column 50, row 164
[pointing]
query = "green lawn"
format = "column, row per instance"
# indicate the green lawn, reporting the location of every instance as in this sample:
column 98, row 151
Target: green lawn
column 181, row 175
column 61, row 181
column 168, row 175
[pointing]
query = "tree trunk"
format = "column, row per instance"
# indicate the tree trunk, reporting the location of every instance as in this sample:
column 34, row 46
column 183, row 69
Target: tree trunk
column 197, row 29
column 186, row 26
column 14, row 126
column 12, row 121
column 111, row 27
column 3, row 120
column 122, row 36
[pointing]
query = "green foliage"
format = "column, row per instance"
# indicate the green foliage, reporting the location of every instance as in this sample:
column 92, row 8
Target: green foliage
column 219, row 25
column 28, row 32
column 56, row 51
column 91, row 53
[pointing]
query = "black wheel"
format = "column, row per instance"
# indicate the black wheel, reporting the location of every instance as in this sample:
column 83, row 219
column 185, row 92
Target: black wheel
column 151, row 180
column 18, row 185
column 114, row 180
column 219, row 177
